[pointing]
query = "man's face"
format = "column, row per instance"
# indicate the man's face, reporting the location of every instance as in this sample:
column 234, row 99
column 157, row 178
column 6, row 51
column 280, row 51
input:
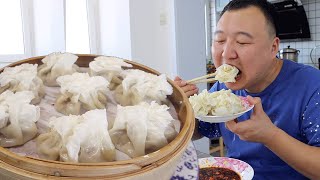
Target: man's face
column 242, row 39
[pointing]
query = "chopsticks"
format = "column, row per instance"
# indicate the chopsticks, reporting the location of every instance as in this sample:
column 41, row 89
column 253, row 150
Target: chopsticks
column 203, row 79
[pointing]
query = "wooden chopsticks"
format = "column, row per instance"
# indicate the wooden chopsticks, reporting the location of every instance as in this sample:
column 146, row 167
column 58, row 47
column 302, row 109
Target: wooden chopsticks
column 203, row 79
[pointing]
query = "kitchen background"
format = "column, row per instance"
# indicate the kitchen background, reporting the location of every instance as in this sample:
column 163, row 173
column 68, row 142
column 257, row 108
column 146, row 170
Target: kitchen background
column 305, row 46
column 312, row 8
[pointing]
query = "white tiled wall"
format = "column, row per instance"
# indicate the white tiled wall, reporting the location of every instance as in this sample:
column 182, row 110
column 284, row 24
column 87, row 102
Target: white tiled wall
column 213, row 15
column 312, row 8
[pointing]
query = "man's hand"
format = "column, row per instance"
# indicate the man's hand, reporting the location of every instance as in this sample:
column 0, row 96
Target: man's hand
column 259, row 128
column 188, row 89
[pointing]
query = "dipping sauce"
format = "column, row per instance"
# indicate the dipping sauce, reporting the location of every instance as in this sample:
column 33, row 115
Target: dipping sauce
column 218, row 173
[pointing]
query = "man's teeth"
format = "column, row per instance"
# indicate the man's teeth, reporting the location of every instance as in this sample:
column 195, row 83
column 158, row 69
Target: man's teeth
column 238, row 74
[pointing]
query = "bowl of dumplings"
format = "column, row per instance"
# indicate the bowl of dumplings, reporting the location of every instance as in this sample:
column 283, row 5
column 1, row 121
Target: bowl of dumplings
column 83, row 116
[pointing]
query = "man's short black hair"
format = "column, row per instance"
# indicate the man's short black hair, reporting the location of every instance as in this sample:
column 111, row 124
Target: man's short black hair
column 266, row 8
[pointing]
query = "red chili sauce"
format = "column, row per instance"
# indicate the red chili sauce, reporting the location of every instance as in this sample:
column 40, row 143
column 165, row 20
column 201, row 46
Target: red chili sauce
column 218, row 173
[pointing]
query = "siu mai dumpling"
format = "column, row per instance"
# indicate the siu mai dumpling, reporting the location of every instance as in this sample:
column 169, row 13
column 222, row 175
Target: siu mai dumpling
column 79, row 90
column 22, row 78
column 142, row 129
column 110, row 68
column 90, row 140
column 49, row 144
column 129, row 130
column 160, row 124
column 139, row 86
column 81, row 139
column 17, row 118
column 55, row 65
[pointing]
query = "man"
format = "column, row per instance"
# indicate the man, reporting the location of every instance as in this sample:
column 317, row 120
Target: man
column 280, row 138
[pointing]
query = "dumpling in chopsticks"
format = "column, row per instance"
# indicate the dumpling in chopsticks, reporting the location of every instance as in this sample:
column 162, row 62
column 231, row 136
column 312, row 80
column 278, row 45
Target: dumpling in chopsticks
column 108, row 67
column 22, row 78
column 55, row 65
column 138, row 86
column 142, row 129
column 226, row 73
column 81, row 139
column 79, row 90
column 17, row 118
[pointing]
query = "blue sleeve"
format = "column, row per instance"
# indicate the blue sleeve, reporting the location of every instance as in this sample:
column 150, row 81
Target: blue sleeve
column 210, row 130
column 214, row 87
column 311, row 120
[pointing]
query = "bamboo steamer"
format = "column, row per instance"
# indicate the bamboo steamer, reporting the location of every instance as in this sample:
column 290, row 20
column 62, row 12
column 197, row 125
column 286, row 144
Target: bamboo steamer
column 157, row 165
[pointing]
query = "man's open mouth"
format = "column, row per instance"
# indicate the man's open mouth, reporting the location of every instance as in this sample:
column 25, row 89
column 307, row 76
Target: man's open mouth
column 238, row 75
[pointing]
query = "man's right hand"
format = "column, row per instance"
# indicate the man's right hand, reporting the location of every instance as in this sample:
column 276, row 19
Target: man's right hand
column 189, row 89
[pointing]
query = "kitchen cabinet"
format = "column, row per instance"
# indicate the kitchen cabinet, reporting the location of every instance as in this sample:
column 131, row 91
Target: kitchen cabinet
column 220, row 4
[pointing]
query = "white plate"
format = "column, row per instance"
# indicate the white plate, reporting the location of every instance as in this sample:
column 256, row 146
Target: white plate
column 242, row 168
column 219, row 119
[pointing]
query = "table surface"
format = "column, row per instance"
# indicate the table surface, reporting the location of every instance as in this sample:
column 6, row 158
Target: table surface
column 187, row 168
column 202, row 155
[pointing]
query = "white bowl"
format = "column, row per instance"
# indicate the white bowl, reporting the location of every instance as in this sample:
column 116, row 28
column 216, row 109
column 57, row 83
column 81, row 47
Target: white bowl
column 242, row 168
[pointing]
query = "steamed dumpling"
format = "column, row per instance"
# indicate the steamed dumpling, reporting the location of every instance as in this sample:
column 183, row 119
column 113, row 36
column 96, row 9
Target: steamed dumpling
column 49, row 144
column 108, row 67
column 78, row 139
column 80, row 90
column 22, row 78
column 142, row 128
column 139, row 86
column 55, row 65
column 65, row 104
column 17, row 118
column 95, row 144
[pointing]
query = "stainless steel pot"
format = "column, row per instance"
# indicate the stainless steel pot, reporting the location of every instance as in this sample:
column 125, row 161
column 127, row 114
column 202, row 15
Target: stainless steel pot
column 289, row 53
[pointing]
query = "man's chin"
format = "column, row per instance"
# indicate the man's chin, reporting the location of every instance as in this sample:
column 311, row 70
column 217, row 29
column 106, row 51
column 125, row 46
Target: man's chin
column 233, row 86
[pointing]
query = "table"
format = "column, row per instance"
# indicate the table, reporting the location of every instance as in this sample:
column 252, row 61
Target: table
column 202, row 155
column 187, row 168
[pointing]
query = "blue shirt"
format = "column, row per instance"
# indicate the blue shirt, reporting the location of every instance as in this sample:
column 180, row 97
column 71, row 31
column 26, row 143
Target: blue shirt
column 292, row 102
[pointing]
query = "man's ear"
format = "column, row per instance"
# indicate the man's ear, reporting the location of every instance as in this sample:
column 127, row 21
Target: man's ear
column 275, row 46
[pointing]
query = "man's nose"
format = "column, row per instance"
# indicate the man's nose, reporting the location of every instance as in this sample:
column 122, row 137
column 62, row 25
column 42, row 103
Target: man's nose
column 229, row 51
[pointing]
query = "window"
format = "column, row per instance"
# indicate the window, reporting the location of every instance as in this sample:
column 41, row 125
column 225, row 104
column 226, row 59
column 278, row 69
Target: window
column 11, row 32
column 208, row 27
column 37, row 28
column 77, row 34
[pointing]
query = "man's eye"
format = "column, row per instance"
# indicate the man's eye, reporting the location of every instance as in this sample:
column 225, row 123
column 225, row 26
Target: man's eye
column 243, row 43
column 220, row 41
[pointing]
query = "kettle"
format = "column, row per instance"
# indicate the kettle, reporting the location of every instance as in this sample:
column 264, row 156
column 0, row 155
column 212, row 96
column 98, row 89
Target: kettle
column 289, row 53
